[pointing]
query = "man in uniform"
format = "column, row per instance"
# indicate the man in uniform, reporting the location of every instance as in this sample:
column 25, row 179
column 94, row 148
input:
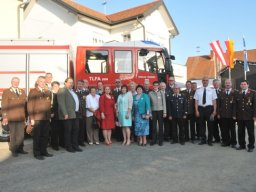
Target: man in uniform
column 225, row 110
column 217, row 122
column 189, row 122
column 205, row 110
column 245, row 113
column 81, row 115
column 39, row 111
column 177, row 110
column 13, row 110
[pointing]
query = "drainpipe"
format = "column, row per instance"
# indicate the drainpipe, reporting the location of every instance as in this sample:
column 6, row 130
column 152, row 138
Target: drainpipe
column 143, row 27
column 20, row 6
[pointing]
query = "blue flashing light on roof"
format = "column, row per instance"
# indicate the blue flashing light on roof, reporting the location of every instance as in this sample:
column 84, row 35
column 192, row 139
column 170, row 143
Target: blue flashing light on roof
column 151, row 43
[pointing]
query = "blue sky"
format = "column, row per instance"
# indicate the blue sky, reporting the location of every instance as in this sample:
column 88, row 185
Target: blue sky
column 199, row 22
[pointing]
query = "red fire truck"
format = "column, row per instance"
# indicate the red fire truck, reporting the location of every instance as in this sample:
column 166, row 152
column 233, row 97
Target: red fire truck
column 128, row 61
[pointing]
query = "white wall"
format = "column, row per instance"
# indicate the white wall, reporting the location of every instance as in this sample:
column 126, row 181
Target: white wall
column 48, row 20
column 9, row 18
column 180, row 73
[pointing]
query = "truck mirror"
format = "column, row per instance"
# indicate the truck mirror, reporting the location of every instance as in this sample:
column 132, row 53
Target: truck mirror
column 172, row 57
column 143, row 52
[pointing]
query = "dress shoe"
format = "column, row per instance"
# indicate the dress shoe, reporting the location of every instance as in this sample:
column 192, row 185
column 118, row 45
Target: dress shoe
column 233, row 146
column 224, row 145
column 39, row 157
column 216, row 141
column 210, row 143
column 173, row 142
column 201, row 143
column 22, row 152
column 144, row 145
column 152, row 143
column 182, row 143
column 160, row 143
column 240, row 148
column 47, row 154
column 14, row 154
column 78, row 149
column 70, row 150
column 56, row 148
column 82, row 144
column 193, row 141
column 250, row 150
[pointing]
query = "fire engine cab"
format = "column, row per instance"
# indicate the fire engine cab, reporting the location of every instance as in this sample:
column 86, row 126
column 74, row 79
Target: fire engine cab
column 128, row 61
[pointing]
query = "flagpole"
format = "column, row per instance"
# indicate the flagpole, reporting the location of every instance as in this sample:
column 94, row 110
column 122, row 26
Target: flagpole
column 215, row 65
column 245, row 78
column 229, row 73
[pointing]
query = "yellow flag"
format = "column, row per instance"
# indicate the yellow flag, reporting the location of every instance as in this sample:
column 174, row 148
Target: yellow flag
column 231, row 52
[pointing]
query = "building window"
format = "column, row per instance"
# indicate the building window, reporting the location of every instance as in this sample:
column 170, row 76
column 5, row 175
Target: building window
column 96, row 61
column 123, row 61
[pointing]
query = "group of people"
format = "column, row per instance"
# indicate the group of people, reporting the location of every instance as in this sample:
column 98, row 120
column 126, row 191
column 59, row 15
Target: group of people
column 69, row 117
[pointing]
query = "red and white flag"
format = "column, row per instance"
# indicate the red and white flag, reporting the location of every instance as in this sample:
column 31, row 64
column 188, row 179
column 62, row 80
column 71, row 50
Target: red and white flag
column 215, row 45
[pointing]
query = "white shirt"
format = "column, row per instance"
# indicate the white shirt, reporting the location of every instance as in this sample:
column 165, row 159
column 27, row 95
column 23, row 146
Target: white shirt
column 210, row 96
column 92, row 102
column 74, row 95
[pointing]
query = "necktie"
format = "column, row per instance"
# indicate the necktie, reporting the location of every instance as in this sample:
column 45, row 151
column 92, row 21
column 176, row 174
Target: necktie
column 227, row 92
column 204, row 96
column 16, row 91
column 243, row 94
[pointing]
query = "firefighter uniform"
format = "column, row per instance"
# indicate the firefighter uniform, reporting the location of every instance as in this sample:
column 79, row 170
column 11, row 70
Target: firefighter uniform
column 225, row 109
column 177, row 110
column 189, row 122
column 245, row 110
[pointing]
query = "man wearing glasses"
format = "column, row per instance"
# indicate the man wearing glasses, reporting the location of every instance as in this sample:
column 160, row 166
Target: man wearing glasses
column 205, row 110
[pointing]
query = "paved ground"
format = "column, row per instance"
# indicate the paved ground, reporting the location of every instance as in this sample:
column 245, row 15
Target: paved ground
column 170, row 168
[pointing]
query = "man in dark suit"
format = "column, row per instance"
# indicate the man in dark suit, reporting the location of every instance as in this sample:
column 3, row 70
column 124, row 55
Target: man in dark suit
column 189, row 122
column 168, row 92
column 81, row 93
column 68, row 108
column 177, row 109
column 217, row 122
column 117, row 133
column 39, row 111
column 245, row 113
column 225, row 110
column 56, row 134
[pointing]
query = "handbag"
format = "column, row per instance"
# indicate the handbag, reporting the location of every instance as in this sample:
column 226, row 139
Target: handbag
column 95, row 124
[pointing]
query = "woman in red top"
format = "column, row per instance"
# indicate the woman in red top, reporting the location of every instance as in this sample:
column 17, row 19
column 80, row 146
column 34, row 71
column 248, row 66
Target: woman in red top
column 107, row 112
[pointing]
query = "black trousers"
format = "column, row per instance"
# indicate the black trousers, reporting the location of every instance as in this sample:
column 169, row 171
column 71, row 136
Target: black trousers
column 249, row 124
column 71, row 133
column 228, row 128
column 82, row 128
column 40, row 137
column 178, row 122
column 167, row 129
column 157, row 117
column 216, row 128
column 204, row 116
column 197, row 127
column 55, row 132
column 189, row 127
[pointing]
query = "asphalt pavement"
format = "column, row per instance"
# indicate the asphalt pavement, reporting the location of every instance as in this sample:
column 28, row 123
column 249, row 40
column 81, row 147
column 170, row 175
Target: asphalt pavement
column 117, row 168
